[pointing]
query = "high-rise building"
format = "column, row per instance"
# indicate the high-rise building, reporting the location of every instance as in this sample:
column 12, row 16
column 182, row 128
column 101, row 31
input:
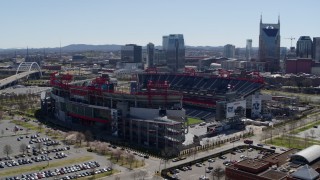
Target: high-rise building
column 304, row 47
column 316, row 49
column 248, row 49
column 269, row 46
column 229, row 51
column 150, row 55
column 174, row 48
column 131, row 53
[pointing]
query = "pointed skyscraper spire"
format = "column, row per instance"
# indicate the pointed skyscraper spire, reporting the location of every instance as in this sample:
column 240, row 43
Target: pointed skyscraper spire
column 279, row 18
column 261, row 18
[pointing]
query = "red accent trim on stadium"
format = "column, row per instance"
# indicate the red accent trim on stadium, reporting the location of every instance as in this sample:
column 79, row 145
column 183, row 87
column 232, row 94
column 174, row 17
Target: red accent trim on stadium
column 88, row 118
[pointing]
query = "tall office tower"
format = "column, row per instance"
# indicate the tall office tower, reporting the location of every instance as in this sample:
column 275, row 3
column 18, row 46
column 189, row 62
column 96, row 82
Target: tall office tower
column 165, row 42
column 173, row 45
column 229, row 51
column 316, row 49
column 150, row 55
column 248, row 49
column 304, row 47
column 269, row 46
column 131, row 53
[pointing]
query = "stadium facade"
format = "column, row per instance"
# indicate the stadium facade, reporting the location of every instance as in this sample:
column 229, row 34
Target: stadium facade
column 152, row 113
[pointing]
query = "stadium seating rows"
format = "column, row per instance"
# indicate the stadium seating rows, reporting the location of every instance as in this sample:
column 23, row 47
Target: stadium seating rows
column 216, row 85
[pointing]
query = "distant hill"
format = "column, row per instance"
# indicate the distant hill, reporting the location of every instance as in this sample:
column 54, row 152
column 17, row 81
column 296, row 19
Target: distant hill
column 88, row 47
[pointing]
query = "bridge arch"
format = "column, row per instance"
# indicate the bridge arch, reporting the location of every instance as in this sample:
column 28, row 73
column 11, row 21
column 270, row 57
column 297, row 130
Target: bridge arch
column 29, row 66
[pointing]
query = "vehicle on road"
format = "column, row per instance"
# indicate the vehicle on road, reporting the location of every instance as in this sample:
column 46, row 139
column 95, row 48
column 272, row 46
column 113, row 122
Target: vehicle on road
column 248, row 141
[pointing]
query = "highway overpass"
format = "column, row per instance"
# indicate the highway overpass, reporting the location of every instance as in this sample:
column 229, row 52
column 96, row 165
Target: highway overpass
column 9, row 81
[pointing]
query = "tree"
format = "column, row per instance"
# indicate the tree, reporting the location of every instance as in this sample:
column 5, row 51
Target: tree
column 2, row 132
column 117, row 178
column 312, row 132
column 40, row 127
column 39, row 146
column 306, row 134
column 27, row 130
column 80, row 137
column 130, row 159
column 23, row 148
column 117, row 154
column 1, row 114
column 110, row 164
column 7, row 149
column 88, row 137
column 142, row 174
column 218, row 172
column 135, row 175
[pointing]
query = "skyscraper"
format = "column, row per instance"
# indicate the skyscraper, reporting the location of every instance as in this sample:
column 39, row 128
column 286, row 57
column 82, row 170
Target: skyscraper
column 173, row 45
column 269, row 46
column 304, row 47
column 316, row 49
column 248, row 49
column 131, row 53
column 150, row 55
column 229, row 51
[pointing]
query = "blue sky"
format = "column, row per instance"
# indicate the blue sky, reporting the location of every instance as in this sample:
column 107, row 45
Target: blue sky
column 44, row 23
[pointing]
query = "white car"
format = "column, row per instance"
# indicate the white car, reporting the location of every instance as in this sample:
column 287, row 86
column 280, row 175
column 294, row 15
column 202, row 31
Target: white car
column 203, row 177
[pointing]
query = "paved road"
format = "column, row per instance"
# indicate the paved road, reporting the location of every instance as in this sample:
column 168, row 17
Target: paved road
column 8, row 80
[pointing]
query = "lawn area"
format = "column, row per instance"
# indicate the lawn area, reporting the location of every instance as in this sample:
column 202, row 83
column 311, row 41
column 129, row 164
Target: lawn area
column 42, row 166
column 122, row 162
column 296, row 131
column 100, row 175
column 25, row 125
column 194, row 121
column 296, row 142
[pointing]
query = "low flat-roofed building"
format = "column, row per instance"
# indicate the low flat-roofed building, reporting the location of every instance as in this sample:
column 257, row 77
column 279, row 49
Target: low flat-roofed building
column 274, row 175
column 252, row 166
column 280, row 159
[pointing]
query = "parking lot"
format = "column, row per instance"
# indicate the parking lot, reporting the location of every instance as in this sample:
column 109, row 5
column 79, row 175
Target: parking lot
column 206, row 168
column 40, row 150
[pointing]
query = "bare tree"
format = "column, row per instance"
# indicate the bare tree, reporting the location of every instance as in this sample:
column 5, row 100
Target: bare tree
column 143, row 173
column 88, row 137
column 7, row 149
column 135, row 175
column 130, row 159
column 306, row 134
column 27, row 130
column 312, row 132
column 110, row 164
column 40, row 127
column 39, row 146
column 218, row 172
column 117, row 154
column 2, row 132
column 1, row 114
column 23, row 148
column 80, row 137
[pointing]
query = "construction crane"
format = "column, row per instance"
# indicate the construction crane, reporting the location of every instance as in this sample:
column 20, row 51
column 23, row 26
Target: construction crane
column 291, row 38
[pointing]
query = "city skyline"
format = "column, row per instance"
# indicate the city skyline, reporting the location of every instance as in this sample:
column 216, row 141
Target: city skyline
column 40, row 24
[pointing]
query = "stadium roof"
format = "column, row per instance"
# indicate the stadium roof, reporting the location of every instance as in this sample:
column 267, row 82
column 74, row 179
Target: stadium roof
column 309, row 154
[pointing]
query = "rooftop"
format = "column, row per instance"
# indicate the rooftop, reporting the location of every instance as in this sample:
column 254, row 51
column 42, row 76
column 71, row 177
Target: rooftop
column 273, row 174
column 252, row 164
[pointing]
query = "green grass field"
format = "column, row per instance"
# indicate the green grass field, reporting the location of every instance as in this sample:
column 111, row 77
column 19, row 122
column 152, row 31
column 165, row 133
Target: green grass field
column 309, row 126
column 194, row 121
column 295, row 142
